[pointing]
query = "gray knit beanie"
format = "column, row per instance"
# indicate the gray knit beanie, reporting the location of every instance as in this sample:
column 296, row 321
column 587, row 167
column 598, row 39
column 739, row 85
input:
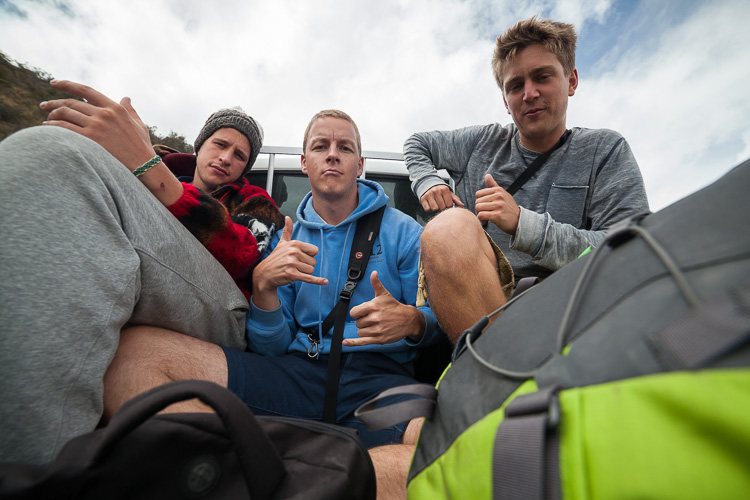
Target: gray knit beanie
column 237, row 119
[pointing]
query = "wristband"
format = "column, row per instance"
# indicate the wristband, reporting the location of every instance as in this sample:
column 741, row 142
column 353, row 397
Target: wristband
column 146, row 166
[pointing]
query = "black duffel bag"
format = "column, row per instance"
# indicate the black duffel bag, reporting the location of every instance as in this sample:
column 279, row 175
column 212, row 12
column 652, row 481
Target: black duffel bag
column 229, row 454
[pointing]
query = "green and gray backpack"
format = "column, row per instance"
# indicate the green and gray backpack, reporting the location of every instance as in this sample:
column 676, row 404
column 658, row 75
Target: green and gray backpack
column 623, row 375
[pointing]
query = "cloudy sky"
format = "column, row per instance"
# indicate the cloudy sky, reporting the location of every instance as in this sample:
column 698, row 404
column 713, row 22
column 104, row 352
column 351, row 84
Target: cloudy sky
column 671, row 76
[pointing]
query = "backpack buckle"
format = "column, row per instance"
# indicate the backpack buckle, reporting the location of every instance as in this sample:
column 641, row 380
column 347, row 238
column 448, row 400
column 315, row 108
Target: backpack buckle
column 544, row 402
column 621, row 231
column 553, row 412
column 346, row 292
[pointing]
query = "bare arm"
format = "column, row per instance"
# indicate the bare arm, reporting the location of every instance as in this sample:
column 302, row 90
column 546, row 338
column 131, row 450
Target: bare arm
column 115, row 127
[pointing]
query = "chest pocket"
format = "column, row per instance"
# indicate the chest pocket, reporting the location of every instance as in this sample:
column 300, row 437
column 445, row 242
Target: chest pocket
column 566, row 203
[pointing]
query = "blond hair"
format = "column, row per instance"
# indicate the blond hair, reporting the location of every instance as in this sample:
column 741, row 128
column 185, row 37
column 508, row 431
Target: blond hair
column 559, row 38
column 332, row 113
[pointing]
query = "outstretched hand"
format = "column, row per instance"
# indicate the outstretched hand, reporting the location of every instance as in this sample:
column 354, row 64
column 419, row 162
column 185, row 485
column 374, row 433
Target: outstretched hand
column 439, row 197
column 384, row 320
column 116, row 127
column 290, row 261
column 496, row 205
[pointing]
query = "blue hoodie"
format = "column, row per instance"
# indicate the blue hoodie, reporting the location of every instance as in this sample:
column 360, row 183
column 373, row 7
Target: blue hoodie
column 395, row 256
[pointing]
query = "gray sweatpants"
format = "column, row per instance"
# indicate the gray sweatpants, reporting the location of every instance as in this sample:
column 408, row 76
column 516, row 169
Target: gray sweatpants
column 84, row 249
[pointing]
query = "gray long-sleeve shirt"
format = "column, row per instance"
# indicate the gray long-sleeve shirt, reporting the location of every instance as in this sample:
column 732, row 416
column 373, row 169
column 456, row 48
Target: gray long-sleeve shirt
column 584, row 187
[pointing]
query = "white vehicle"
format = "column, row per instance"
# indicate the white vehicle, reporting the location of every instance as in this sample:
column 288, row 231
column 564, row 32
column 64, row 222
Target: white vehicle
column 278, row 170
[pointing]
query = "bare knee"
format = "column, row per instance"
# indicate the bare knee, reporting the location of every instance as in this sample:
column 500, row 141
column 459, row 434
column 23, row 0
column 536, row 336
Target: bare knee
column 147, row 349
column 177, row 356
column 452, row 244
column 451, row 225
column 148, row 357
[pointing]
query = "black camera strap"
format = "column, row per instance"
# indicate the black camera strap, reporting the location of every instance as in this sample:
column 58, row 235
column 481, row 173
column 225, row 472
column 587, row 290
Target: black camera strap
column 536, row 165
column 367, row 231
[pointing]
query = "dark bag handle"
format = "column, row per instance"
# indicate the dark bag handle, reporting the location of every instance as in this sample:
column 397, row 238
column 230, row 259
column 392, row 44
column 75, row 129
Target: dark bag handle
column 259, row 460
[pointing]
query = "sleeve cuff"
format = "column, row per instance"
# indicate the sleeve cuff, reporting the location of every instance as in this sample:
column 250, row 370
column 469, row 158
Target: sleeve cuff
column 190, row 198
column 430, row 326
column 265, row 319
column 429, row 183
column 530, row 233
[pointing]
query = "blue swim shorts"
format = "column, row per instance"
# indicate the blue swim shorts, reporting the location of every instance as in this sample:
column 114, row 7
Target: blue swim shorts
column 293, row 385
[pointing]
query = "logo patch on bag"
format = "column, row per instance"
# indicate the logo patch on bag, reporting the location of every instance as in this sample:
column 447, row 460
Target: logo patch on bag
column 201, row 475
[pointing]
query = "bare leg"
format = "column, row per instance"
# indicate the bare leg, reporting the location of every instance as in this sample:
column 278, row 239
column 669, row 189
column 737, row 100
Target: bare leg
column 391, row 468
column 412, row 431
column 392, row 463
column 460, row 271
column 148, row 357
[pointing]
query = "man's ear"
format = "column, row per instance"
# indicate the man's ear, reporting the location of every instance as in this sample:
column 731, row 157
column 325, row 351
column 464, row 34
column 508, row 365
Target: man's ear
column 361, row 166
column 572, row 82
column 303, row 162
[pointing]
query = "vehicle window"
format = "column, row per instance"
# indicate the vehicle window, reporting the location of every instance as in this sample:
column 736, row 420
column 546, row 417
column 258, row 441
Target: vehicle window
column 290, row 187
column 400, row 196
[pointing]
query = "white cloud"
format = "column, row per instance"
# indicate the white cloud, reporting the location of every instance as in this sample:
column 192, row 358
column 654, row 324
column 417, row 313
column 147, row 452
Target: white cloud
column 679, row 106
column 397, row 66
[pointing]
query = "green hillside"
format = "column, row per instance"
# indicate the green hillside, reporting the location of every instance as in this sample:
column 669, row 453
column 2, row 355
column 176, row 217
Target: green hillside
column 22, row 88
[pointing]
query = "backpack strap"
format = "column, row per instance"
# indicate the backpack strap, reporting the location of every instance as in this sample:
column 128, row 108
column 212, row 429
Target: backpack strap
column 367, row 231
column 707, row 333
column 377, row 417
column 524, row 462
column 523, row 285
